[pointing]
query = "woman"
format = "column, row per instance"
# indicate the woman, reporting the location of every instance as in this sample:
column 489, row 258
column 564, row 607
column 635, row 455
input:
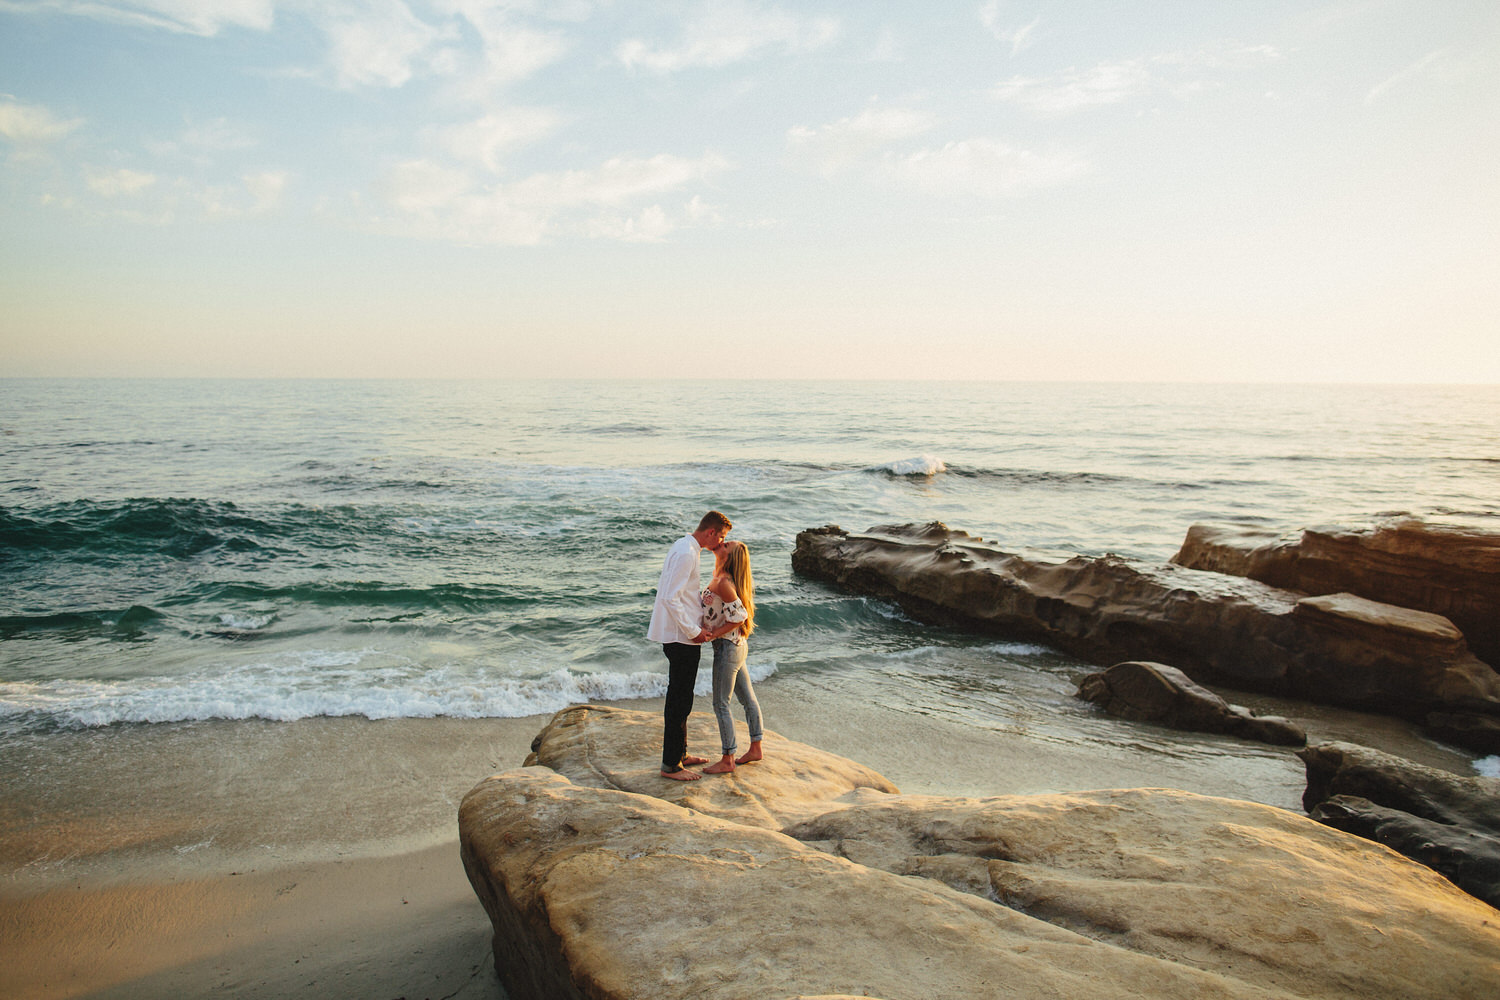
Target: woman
column 728, row 619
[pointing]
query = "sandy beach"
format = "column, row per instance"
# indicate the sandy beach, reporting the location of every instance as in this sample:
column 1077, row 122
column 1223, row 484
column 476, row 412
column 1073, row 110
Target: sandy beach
column 319, row 858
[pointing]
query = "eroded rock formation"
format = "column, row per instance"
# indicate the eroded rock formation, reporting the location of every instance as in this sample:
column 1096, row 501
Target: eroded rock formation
column 1155, row 692
column 1218, row 628
column 1448, row 571
column 602, row 893
column 1446, row 822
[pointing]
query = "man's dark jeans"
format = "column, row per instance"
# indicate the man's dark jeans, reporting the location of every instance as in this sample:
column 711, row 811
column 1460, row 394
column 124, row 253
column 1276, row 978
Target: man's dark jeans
column 682, row 674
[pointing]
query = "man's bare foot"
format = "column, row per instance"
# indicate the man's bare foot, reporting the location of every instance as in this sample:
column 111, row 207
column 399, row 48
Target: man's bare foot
column 682, row 774
column 750, row 756
column 694, row 761
column 724, row 766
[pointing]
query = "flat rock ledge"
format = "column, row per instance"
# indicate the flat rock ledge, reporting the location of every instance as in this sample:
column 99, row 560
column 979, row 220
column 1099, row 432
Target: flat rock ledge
column 602, row 893
column 1338, row 649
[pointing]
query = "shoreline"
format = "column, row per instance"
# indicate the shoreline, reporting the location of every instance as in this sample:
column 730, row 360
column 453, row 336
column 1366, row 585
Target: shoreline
column 320, row 857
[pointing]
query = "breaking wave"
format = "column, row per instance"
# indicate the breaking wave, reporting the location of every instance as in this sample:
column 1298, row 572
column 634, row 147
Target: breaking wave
column 317, row 683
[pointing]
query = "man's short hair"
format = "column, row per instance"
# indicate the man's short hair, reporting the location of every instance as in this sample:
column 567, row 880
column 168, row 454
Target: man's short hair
column 713, row 519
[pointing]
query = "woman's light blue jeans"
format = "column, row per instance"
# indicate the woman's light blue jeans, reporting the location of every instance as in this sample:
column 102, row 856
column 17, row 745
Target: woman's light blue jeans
column 730, row 674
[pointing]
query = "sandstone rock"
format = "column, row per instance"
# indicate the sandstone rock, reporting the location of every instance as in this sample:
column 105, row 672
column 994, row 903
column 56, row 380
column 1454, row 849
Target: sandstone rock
column 1217, row 628
column 605, row 894
column 1243, row 891
column 605, row 747
column 1468, row 860
column 1446, row 821
column 1382, row 638
column 1443, row 570
column 1155, row 692
column 1237, row 550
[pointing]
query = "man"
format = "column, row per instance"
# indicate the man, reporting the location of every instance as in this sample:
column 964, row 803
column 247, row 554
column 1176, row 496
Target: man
column 675, row 624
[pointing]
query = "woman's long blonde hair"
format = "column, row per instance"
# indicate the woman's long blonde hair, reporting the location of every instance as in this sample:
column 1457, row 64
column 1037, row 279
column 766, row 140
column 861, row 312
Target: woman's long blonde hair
column 737, row 567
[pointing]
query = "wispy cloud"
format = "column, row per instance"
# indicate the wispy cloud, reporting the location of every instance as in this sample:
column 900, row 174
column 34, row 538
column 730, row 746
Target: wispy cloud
column 869, row 145
column 1178, row 73
column 649, row 225
column 1109, row 83
column 729, row 32
column 154, row 199
column 982, row 168
column 119, row 183
column 219, row 135
column 837, row 145
column 888, row 47
column 1425, row 67
column 195, row 17
column 251, row 194
column 617, row 180
column 376, row 44
column 603, row 202
column 32, row 124
column 420, row 186
column 654, row 223
column 489, row 139
column 509, row 49
column 266, row 188
column 1222, row 58
column 1018, row 39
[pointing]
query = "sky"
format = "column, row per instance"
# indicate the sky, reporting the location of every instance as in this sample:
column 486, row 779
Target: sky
column 1172, row 190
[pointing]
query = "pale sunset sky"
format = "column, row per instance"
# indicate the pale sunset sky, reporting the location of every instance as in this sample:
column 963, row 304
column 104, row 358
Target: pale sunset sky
column 1173, row 190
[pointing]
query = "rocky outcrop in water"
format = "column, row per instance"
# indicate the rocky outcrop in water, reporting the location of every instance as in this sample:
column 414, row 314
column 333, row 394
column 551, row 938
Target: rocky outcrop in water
column 1449, row 823
column 1155, row 692
column 608, row 894
column 1335, row 649
column 1448, row 571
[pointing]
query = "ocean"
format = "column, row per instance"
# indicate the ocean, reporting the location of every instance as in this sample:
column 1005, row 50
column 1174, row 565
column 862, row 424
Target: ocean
column 183, row 550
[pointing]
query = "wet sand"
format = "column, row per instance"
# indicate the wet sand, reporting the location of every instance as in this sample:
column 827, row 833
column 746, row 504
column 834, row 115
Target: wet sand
column 319, row 858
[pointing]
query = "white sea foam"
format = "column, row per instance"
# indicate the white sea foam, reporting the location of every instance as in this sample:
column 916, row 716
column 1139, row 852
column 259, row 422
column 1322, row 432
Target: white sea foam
column 1488, row 766
column 886, row 610
column 1017, row 649
column 1010, row 650
column 246, row 621
column 190, row 848
column 922, row 465
column 328, row 684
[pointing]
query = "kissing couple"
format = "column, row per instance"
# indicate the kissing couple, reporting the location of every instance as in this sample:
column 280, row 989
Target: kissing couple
column 683, row 618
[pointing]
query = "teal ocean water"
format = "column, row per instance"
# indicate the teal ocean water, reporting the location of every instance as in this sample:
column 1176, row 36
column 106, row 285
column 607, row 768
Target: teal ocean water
column 196, row 550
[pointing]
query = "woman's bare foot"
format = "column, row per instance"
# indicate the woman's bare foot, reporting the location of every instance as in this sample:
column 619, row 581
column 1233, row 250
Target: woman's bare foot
column 691, row 761
column 724, row 766
column 750, row 756
column 682, row 774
